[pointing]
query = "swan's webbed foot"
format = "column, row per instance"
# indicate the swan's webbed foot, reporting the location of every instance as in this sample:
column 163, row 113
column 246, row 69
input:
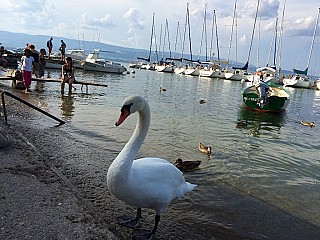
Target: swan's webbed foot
column 142, row 234
column 131, row 222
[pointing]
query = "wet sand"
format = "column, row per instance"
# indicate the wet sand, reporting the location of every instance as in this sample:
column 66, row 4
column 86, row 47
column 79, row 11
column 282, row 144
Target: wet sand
column 53, row 187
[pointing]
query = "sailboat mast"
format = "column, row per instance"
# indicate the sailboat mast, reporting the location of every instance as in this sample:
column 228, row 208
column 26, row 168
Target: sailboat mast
column 164, row 41
column 160, row 41
column 176, row 40
column 259, row 40
column 275, row 43
column 313, row 38
column 216, row 26
column 280, row 38
column 211, row 41
column 188, row 18
column 184, row 33
column 152, row 28
column 232, row 27
column 236, row 45
column 167, row 29
column 254, row 26
column 204, row 34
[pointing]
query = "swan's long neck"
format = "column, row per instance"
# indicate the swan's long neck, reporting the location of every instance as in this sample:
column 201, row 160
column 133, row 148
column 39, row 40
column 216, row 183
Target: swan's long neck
column 125, row 158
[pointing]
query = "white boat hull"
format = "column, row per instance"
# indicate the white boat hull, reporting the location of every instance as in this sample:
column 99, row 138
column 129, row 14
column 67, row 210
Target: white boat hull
column 236, row 76
column 219, row 74
column 317, row 84
column 207, row 73
column 297, row 82
column 108, row 68
column 57, row 64
column 192, row 72
column 179, row 70
column 166, row 68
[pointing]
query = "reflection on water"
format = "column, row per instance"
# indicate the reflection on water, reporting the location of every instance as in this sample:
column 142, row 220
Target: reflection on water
column 67, row 107
column 260, row 122
column 40, row 87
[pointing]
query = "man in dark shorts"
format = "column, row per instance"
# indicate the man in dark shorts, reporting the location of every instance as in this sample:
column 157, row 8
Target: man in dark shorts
column 49, row 46
column 63, row 50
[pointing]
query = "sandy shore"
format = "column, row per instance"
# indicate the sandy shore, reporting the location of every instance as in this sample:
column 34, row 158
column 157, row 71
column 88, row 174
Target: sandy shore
column 53, row 187
column 36, row 200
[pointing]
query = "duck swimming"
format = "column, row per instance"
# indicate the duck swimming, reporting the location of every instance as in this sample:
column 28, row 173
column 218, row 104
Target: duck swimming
column 146, row 182
column 242, row 124
column 162, row 89
column 186, row 166
column 308, row 124
column 202, row 101
column 203, row 148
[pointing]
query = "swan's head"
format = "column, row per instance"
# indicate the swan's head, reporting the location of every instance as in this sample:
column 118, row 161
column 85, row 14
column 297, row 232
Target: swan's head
column 131, row 104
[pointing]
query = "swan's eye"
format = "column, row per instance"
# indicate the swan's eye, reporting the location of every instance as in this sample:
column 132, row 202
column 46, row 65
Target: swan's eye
column 126, row 107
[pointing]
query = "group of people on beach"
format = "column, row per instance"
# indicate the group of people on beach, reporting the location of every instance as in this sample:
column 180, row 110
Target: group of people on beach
column 34, row 62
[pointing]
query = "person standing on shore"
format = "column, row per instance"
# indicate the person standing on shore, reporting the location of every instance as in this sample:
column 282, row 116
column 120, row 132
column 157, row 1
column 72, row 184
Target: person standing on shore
column 26, row 68
column 67, row 75
column 49, row 46
column 35, row 54
column 3, row 61
column 63, row 50
column 42, row 62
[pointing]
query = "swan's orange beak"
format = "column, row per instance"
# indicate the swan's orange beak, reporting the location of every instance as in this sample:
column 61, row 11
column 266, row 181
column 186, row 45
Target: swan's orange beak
column 124, row 114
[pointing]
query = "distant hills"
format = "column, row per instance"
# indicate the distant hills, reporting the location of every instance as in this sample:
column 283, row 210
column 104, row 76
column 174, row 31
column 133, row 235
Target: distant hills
column 12, row 40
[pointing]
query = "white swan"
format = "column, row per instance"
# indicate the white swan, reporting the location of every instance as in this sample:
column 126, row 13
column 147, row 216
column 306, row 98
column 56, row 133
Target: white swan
column 147, row 182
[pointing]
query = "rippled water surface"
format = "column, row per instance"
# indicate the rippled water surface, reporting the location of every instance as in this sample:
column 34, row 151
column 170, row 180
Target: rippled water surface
column 273, row 158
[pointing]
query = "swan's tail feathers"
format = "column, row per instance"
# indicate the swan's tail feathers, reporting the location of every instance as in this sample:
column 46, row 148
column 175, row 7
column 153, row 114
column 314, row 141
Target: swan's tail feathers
column 186, row 187
column 190, row 186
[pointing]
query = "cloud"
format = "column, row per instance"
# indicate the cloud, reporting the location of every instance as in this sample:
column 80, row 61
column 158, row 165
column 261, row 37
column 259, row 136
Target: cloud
column 243, row 39
column 300, row 27
column 133, row 40
column 134, row 19
column 103, row 22
column 30, row 13
column 267, row 9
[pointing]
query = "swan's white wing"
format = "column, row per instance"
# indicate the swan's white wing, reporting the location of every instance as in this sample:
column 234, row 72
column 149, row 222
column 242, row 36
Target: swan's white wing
column 155, row 182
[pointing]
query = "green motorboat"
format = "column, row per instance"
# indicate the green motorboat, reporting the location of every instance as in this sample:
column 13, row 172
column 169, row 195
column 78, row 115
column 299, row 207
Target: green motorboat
column 266, row 97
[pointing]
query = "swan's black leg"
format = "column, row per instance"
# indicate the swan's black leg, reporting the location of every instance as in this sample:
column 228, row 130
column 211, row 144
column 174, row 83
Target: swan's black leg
column 157, row 220
column 131, row 222
column 142, row 234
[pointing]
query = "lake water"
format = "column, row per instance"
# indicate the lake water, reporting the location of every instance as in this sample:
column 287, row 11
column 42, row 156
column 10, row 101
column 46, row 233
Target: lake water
column 273, row 159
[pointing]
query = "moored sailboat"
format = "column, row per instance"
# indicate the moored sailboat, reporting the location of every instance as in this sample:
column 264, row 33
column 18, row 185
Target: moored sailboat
column 94, row 63
column 301, row 79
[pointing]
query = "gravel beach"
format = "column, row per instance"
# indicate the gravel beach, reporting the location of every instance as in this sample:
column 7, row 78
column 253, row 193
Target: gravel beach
column 50, row 191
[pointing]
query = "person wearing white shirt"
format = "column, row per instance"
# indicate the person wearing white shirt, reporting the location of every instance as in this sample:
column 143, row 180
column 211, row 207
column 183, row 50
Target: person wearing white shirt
column 26, row 68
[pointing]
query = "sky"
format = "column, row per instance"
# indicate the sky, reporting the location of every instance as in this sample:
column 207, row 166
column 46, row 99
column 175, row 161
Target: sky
column 128, row 23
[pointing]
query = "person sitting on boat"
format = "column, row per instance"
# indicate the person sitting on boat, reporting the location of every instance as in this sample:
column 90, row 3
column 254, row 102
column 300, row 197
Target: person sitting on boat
column 67, row 75
column 263, row 89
